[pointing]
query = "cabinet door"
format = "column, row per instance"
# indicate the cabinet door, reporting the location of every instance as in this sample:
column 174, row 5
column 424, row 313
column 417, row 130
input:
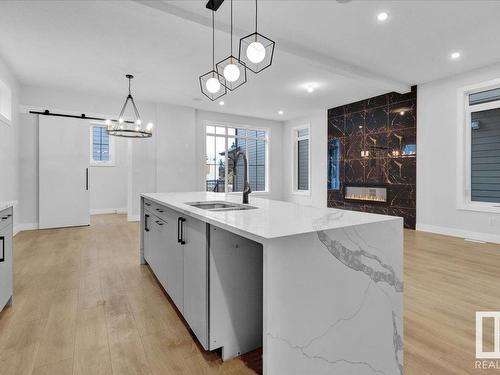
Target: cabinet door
column 5, row 265
column 174, row 262
column 196, row 278
column 146, row 236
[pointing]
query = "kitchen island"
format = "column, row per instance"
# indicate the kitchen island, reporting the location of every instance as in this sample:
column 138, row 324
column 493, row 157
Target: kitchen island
column 323, row 287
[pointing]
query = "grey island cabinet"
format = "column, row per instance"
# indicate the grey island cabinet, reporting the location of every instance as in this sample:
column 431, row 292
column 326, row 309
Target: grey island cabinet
column 320, row 289
column 6, row 228
column 214, row 277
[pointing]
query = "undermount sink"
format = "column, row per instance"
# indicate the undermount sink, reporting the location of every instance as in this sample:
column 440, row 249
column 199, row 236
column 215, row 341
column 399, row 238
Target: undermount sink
column 220, row 206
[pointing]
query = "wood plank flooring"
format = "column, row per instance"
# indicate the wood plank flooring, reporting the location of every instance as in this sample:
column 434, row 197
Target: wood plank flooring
column 83, row 305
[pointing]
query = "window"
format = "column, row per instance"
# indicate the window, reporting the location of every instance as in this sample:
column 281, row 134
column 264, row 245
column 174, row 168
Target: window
column 481, row 154
column 5, row 103
column 101, row 146
column 301, row 159
column 334, row 164
column 224, row 172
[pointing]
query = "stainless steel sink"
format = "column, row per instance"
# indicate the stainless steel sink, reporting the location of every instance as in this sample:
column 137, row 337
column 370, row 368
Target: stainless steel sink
column 220, row 206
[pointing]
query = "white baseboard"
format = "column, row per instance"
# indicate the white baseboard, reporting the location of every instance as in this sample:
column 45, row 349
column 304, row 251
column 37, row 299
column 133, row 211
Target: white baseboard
column 454, row 232
column 133, row 217
column 27, row 226
column 102, row 211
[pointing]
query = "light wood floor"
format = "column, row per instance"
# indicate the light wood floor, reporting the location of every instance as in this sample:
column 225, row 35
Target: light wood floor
column 83, row 305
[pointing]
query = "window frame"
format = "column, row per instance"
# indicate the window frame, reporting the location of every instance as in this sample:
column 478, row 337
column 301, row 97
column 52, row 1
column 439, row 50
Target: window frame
column 104, row 163
column 225, row 135
column 464, row 145
column 5, row 100
column 295, row 159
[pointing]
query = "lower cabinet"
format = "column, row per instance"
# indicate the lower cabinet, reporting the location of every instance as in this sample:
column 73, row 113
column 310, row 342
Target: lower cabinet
column 5, row 257
column 213, row 276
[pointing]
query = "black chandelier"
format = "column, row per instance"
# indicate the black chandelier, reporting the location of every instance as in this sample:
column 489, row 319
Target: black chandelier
column 212, row 83
column 256, row 51
column 231, row 68
column 129, row 129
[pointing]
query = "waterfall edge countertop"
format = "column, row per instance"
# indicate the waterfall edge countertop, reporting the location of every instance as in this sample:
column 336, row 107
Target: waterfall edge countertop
column 271, row 219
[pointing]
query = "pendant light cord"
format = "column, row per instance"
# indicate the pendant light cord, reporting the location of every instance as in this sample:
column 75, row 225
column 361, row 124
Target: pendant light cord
column 231, row 27
column 213, row 40
column 256, row 16
column 129, row 92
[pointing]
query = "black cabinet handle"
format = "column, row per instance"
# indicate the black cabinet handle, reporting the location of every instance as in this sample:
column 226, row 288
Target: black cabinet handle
column 181, row 232
column 146, row 217
column 86, row 179
column 178, row 229
column 147, row 204
column 2, row 248
column 159, row 222
column 159, row 210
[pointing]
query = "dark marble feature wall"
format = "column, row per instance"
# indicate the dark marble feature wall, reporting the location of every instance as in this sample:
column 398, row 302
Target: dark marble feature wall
column 386, row 127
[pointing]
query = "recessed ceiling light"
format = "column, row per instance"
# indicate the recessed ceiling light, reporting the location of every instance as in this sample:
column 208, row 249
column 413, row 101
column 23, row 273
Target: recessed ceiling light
column 280, row 113
column 455, row 55
column 221, row 102
column 382, row 16
column 310, row 89
column 402, row 113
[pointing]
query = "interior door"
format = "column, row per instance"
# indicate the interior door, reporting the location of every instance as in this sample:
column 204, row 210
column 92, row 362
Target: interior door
column 64, row 155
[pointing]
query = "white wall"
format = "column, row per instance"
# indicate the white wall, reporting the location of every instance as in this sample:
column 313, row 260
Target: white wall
column 318, row 163
column 275, row 129
column 108, row 185
column 172, row 160
column 437, row 125
column 133, row 175
column 175, row 137
column 9, row 145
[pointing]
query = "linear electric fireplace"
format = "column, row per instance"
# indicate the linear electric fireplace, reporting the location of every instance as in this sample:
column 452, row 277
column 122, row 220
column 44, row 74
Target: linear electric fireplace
column 366, row 193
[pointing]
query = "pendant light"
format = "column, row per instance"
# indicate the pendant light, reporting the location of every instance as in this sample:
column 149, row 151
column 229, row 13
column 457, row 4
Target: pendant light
column 256, row 51
column 129, row 129
column 231, row 68
column 210, row 83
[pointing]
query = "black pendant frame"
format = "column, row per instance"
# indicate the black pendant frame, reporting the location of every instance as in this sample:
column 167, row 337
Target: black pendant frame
column 243, row 72
column 268, row 44
column 203, row 80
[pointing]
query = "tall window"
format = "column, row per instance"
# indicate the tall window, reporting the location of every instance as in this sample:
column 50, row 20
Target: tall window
column 301, row 150
column 484, row 109
column 482, row 147
column 101, row 146
column 334, row 164
column 224, row 171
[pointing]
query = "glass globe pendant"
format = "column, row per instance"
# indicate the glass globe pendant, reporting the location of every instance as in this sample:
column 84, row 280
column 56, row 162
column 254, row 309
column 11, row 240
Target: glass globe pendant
column 231, row 68
column 256, row 50
column 212, row 83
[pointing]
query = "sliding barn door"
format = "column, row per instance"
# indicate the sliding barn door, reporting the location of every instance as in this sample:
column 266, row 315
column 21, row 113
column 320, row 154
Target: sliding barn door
column 64, row 156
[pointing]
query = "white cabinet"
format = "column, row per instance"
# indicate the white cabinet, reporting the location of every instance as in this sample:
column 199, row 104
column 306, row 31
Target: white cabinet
column 236, row 282
column 195, row 277
column 5, row 257
column 173, row 265
column 213, row 276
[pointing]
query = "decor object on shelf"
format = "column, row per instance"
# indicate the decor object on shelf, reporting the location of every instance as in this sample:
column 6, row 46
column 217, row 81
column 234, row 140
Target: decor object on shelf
column 256, row 50
column 231, row 68
column 212, row 83
column 129, row 129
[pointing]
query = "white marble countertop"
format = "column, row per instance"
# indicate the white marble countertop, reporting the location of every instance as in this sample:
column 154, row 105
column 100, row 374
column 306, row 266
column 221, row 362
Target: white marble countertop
column 272, row 218
column 6, row 204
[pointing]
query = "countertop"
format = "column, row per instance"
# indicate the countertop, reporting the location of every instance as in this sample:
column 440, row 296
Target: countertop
column 271, row 219
column 6, row 204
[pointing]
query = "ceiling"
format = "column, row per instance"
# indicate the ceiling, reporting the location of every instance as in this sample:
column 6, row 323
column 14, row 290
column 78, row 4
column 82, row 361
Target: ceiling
column 340, row 47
